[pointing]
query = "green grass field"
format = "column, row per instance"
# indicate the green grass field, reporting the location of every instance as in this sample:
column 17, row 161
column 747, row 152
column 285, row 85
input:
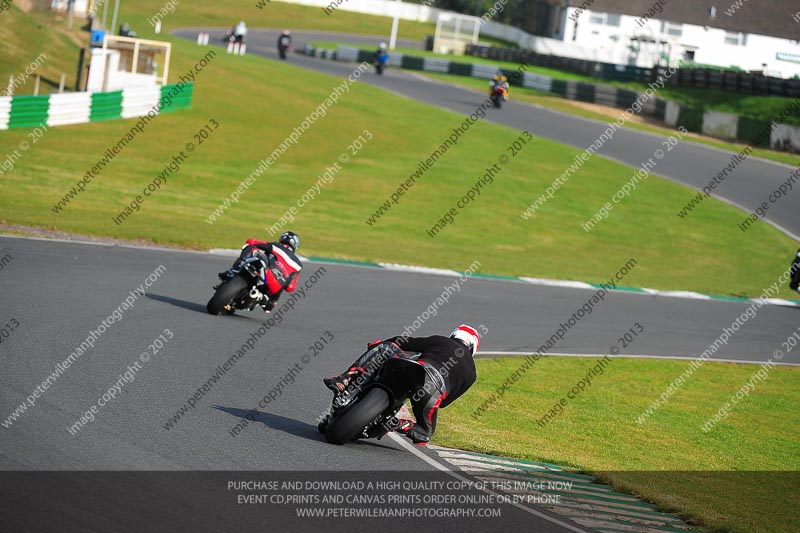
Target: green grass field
column 597, row 431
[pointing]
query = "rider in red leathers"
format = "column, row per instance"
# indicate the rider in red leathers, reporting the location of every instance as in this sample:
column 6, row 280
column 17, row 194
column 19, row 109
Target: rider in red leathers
column 284, row 265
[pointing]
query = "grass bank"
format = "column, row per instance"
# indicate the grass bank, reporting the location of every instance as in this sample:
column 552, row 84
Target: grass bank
column 735, row 477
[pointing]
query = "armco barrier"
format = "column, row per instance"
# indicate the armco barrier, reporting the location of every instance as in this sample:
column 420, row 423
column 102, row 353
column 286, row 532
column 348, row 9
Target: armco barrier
column 5, row 112
column 28, row 111
column 691, row 119
column 413, row 63
column 69, row 108
column 753, row 131
column 79, row 108
column 106, row 106
column 720, row 125
column 137, row 102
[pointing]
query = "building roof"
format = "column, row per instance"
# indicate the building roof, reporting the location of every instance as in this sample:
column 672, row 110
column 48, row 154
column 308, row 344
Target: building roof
column 765, row 17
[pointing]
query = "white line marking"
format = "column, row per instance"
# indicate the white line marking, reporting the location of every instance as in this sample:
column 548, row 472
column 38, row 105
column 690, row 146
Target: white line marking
column 632, row 356
column 678, row 294
column 224, row 251
column 558, row 283
column 420, row 269
column 410, row 447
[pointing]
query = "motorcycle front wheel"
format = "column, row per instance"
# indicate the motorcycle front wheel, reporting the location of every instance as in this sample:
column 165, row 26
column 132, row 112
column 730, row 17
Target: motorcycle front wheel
column 348, row 425
column 227, row 293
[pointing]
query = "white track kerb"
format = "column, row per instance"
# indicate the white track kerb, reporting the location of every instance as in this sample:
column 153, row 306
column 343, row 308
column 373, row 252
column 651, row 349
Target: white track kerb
column 766, row 299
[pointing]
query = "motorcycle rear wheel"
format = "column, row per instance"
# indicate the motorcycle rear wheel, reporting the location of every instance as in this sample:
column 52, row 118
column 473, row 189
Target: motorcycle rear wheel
column 349, row 424
column 227, row 293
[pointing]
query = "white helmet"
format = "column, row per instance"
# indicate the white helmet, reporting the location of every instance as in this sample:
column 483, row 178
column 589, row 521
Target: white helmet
column 468, row 335
column 383, row 46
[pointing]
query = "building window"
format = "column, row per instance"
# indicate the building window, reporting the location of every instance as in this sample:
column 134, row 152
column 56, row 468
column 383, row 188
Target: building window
column 608, row 19
column 671, row 28
column 735, row 39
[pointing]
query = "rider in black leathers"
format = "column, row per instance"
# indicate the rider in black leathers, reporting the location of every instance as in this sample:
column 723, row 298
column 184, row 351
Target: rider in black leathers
column 450, row 372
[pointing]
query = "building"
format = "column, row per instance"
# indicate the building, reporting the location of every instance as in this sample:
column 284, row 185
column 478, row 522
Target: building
column 751, row 35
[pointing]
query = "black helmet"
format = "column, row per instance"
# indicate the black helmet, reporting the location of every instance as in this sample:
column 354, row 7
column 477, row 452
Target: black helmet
column 291, row 240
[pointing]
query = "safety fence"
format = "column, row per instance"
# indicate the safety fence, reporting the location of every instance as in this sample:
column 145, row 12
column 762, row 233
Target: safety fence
column 755, row 84
column 78, row 108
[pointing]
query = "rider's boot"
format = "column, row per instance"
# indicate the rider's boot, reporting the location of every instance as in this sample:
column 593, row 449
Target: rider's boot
column 410, row 429
column 339, row 384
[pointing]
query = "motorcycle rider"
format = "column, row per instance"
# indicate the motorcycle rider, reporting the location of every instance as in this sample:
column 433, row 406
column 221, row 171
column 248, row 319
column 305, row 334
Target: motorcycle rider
column 284, row 42
column 499, row 81
column 284, row 265
column 239, row 32
column 794, row 284
column 448, row 375
column 381, row 58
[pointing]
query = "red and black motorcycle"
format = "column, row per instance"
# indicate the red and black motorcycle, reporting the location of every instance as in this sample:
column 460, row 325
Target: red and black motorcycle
column 498, row 93
column 246, row 289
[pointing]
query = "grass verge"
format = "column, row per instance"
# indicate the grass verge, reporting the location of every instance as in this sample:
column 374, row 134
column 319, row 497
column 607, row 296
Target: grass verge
column 731, row 477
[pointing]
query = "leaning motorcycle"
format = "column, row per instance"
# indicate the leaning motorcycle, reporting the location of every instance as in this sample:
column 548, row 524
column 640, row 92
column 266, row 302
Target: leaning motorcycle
column 246, row 289
column 370, row 410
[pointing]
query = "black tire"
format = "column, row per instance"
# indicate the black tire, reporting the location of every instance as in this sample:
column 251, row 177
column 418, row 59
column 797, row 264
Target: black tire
column 349, row 425
column 227, row 293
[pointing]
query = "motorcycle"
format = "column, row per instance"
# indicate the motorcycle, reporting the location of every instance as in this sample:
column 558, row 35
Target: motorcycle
column 283, row 47
column 380, row 62
column 246, row 289
column 498, row 94
column 232, row 37
column 371, row 410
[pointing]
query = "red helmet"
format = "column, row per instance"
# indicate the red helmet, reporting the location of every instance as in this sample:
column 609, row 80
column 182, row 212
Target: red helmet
column 468, row 335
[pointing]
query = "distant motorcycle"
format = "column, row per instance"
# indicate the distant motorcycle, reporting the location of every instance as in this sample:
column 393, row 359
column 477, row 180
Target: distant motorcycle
column 498, row 94
column 381, row 58
column 284, row 44
column 246, row 289
column 371, row 411
column 232, row 37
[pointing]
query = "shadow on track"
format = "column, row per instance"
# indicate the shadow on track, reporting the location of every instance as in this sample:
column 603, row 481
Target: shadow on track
column 280, row 423
column 290, row 425
column 183, row 304
column 191, row 306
